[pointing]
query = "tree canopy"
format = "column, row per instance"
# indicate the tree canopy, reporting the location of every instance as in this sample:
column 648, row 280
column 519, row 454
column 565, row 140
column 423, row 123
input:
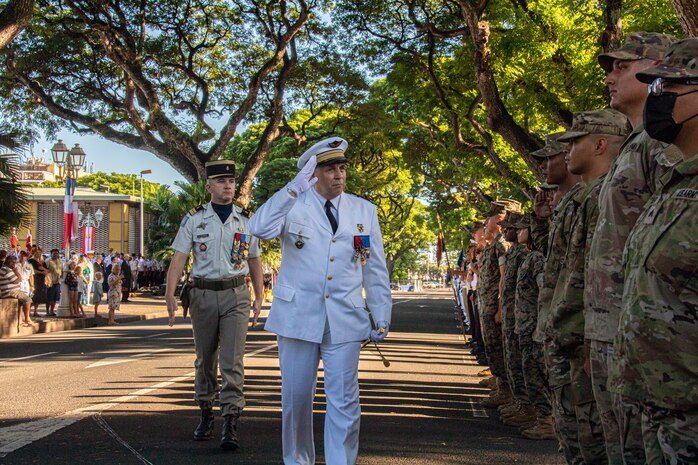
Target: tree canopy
column 441, row 102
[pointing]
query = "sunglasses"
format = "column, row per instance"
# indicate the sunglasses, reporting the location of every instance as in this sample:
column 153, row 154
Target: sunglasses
column 657, row 86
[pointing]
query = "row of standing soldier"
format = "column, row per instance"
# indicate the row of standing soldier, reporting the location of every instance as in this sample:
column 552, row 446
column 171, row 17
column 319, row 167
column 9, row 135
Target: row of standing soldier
column 589, row 305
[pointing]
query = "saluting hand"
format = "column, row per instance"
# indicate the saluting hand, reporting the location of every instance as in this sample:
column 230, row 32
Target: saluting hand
column 304, row 180
column 541, row 205
column 171, row 308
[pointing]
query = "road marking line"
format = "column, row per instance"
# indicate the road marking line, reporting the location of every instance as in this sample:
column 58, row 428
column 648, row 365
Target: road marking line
column 154, row 335
column 130, row 358
column 478, row 412
column 402, row 302
column 26, row 358
column 259, row 351
column 105, row 426
column 20, row 435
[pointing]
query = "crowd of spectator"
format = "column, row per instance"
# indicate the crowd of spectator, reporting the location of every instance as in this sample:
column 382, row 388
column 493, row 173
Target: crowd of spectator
column 35, row 279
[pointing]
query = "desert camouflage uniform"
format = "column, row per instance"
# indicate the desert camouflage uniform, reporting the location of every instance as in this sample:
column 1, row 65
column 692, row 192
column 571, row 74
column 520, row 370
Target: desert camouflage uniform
column 528, row 280
column 493, row 256
column 512, row 352
column 557, row 368
column 656, row 348
column 566, row 324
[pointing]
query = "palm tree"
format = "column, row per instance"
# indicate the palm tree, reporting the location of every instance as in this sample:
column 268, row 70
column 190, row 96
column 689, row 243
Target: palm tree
column 167, row 210
column 14, row 200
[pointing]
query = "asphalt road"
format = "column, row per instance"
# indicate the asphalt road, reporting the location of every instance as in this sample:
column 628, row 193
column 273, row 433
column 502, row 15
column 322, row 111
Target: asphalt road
column 124, row 395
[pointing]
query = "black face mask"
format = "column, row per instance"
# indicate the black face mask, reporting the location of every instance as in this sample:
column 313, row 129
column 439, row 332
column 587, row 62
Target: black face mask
column 658, row 116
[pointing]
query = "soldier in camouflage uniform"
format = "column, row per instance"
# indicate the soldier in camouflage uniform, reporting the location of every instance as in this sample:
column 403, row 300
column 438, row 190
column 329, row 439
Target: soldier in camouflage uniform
column 632, row 179
column 551, row 236
column 595, row 139
column 656, row 347
column 489, row 291
column 528, row 280
column 520, row 412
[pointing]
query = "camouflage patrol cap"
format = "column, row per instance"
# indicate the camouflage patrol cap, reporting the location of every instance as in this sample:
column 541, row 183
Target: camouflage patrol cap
column 638, row 45
column 500, row 206
column 607, row 121
column 510, row 219
column 552, row 146
column 680, row 62
column 474, row 227
column 524, row 222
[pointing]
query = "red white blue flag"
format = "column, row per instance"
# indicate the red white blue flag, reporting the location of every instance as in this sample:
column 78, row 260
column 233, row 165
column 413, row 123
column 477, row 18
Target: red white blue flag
column 70, row 214
column 88, row 239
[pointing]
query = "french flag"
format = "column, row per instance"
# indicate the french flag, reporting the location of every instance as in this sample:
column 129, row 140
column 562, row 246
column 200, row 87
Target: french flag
column 88, row 239
column 70, row 214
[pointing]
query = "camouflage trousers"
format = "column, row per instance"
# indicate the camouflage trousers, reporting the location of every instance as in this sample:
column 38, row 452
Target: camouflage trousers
column 671, row 432
column 534, row 374
column 590, row 430
column 492, row 335
column 512, row 354
column 630, row 414
column 629, row 451
column 558, row 370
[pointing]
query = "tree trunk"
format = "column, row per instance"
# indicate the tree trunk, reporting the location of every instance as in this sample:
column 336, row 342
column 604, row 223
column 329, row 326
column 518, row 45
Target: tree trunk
column 610, row 37
column 13, row 19
column 687, row 12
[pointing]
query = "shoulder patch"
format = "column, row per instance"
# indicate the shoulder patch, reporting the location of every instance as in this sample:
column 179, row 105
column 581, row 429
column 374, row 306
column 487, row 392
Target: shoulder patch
column 198, row 208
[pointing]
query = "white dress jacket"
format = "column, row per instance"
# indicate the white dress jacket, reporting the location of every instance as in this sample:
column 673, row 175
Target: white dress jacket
column 321, row 279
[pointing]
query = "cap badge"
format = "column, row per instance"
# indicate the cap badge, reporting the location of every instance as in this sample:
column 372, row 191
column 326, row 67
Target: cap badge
column 335, row 144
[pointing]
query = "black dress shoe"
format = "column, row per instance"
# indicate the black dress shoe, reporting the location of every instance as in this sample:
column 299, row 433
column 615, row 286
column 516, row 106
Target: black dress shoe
column 204, row 431
column 229, row 438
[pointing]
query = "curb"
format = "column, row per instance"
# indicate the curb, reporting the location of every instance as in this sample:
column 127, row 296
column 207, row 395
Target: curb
column 69, row 324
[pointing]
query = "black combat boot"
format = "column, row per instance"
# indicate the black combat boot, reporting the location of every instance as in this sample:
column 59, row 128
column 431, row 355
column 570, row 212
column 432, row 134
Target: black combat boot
column 204, row 431
column 229, row 437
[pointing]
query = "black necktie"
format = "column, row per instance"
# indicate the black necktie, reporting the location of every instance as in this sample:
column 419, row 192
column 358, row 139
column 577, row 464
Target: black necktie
column 330, row 216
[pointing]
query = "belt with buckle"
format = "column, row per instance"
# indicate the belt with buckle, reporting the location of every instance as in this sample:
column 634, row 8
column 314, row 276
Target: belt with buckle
column 218, row 284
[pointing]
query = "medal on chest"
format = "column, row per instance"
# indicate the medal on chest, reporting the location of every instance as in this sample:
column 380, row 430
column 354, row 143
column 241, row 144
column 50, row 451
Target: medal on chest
column 362, row 248
column 299, row 243
column 241, row 248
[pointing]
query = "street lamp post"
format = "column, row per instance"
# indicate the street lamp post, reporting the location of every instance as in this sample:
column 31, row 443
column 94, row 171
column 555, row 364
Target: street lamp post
column 69, row 163
column 141, row 243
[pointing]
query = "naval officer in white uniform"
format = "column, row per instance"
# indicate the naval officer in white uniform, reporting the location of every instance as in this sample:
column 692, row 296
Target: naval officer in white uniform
column 331, row 249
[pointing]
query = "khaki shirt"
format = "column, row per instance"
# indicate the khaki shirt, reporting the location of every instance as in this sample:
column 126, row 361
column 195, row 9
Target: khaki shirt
column 213, row 243
column 656, row 346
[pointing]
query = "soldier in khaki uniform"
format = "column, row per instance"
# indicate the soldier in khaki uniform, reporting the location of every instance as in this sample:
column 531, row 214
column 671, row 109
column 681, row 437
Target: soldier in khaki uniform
column 550, row 229
column 656, row 347
column 632, row 179
column 224, row 252
column 594, row 140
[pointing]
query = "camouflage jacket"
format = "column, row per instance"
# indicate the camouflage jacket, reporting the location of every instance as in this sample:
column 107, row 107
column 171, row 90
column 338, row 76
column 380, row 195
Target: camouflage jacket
column 558, row 238
column 630, row 182
column 528, row 281
column 514, row 257
column 493, row 256
column 656, row 348
column 566, row 318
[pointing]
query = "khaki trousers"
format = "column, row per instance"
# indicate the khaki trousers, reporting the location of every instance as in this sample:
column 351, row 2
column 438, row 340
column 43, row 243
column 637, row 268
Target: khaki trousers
column 220, row 320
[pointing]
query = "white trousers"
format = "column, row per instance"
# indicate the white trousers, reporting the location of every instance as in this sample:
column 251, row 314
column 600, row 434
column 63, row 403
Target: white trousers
column 299, row 362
